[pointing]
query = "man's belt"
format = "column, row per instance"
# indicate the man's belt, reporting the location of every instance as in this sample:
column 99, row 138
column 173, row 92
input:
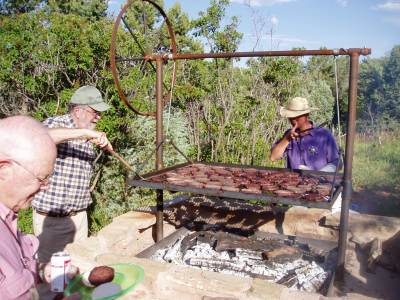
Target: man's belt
column 59, row 215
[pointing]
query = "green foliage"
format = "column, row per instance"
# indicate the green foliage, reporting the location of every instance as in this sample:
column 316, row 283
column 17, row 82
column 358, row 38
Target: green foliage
column 25, row 220
column 84, row 8
column 13, row 7
column 371, row 100
column 208, row 26
column 112, row 197
column 379, row 92
column 391, row 75
column 320, row 96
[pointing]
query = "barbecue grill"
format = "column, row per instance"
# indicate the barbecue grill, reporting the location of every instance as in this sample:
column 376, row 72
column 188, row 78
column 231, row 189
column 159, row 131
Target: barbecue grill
column 159, row 65
column 269, row 185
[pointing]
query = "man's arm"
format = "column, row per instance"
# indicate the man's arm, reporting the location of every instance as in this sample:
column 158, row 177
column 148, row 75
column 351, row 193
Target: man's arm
column 278, row 149
column 60, row 135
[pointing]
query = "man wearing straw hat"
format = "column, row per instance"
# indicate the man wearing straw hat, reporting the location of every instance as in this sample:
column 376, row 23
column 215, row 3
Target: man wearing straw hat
column 305, row 146
column 59, row 215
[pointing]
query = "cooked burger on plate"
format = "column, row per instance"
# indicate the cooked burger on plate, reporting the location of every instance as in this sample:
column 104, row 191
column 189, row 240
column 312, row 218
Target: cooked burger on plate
column 98, row 275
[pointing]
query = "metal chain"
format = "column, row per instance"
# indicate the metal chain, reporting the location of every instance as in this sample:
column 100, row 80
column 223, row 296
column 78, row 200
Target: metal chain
column 337, row 102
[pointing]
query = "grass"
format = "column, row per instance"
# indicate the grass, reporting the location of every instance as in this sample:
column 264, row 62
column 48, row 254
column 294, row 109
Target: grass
column 376, row 174
column 377, row 162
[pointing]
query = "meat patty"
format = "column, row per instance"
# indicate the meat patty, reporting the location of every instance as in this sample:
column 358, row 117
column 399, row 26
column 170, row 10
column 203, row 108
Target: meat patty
column 100, row 275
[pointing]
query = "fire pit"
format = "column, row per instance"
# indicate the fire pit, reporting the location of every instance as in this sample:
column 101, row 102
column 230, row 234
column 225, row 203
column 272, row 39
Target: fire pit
column 298, row 263
column 306, row 188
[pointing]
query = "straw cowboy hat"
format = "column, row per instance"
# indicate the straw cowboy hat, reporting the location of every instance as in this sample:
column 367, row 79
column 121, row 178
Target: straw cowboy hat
column 296, row 107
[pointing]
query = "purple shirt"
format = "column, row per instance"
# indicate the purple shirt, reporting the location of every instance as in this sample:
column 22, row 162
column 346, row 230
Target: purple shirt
column 16, row 280
column 314, row 150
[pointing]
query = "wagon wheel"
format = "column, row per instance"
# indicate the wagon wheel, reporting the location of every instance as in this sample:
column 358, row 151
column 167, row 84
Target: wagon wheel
column 141, row 30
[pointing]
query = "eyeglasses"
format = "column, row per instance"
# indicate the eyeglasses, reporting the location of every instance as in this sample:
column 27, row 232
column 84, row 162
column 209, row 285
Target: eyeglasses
column 91, row 111
column 42, row 181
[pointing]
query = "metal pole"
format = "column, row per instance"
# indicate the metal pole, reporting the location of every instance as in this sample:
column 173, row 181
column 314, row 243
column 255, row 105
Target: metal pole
column 159, row 146
column 360, row 51
column 348, row 162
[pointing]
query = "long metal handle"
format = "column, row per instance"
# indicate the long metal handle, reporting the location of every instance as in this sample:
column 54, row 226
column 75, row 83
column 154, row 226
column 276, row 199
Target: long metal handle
column 122, row 160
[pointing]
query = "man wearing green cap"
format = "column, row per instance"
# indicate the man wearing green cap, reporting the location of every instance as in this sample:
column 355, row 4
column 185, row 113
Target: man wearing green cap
column 59, row 215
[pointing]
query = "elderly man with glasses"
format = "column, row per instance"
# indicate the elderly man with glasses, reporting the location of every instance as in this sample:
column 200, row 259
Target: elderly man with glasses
column 27, row 156
column 59, row 215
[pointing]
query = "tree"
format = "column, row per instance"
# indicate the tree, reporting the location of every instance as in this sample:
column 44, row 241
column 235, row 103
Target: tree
column 13, row 7
column 391, row 85
column 370, row 91
column 84, row 8
column 208, row 26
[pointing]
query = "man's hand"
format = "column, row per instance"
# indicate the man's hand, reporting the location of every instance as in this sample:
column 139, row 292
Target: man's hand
column 278, row 150
column 100, row 139
column 71, row 272
column 292, row 134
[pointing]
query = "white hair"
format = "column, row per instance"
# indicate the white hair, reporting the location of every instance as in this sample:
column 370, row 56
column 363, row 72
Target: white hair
column 22, row 138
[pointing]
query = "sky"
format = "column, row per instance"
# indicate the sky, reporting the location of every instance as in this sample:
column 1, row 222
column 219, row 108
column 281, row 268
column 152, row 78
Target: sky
column 311, row 24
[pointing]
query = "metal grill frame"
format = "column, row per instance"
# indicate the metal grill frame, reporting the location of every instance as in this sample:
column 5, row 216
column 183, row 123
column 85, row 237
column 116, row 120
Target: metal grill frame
column 267, row 199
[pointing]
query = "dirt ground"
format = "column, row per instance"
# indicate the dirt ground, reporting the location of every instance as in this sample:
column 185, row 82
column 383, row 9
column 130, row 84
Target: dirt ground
column 384, row 283
column 381, row 201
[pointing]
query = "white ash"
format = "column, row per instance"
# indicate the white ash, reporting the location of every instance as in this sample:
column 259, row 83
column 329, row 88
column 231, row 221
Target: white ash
column 305, row 275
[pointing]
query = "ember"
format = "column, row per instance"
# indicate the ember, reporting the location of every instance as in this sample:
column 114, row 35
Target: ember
column 273, row 258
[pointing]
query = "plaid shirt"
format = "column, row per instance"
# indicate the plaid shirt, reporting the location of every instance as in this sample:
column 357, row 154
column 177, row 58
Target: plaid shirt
column 69, row 185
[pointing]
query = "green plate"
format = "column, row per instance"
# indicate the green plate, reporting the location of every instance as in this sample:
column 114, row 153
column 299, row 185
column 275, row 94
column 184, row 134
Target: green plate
column 127, row 276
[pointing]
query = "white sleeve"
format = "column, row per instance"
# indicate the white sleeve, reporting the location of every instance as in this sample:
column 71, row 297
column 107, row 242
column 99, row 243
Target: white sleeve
column 328, row 168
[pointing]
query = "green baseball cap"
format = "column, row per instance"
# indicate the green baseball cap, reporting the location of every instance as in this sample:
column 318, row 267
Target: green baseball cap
column 90, row 96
